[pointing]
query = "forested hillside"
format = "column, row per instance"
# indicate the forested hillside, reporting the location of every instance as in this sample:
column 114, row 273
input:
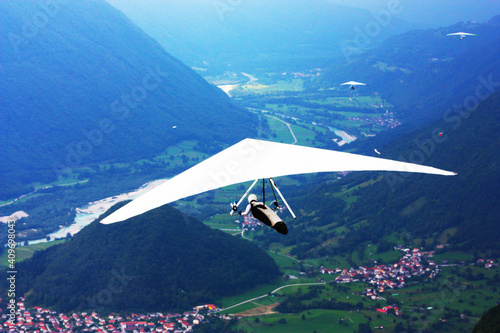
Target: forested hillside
column 461, row 211
column 161, row 260
column 463, row 208
column 81, row 84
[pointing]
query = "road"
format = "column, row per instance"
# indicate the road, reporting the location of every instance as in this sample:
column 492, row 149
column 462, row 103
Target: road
column 284, row 122
column 272, row 292
column 289, row 257
column 289, row 127
column 243, row 236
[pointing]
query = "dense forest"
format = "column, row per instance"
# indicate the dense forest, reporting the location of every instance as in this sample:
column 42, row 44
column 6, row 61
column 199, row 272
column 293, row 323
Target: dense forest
column 162, row 260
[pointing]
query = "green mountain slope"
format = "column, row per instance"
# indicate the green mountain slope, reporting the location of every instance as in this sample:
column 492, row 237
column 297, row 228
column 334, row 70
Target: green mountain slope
column 81, row 84
column 367, row 208
column 428, row 206
column 162, row 260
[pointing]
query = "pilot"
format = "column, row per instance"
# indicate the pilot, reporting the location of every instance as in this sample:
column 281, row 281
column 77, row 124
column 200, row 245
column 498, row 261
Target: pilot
column 252, row 200
column 264, row 214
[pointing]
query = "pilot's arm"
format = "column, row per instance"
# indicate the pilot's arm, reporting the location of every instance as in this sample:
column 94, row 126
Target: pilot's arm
column 246, row 211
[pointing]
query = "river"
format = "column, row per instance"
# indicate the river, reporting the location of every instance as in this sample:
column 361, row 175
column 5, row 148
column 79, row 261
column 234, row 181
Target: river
column 346, row 138
column 87, row 214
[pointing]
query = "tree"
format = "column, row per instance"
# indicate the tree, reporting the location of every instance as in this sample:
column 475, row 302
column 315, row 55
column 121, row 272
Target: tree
column 364, row 328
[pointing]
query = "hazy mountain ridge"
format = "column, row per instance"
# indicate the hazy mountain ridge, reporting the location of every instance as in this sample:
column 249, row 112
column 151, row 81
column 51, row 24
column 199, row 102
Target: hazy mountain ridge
column 87, row 86
column 256, row 35
column 161, row 260
column 424, row 72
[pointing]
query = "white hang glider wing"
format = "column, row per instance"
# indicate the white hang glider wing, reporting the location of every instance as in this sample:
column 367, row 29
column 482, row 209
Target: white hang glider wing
column 353, row 84
column 461, row 34
column 252, row 159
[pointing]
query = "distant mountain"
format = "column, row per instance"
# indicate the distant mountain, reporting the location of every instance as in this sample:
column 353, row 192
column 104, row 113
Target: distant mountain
column 424, row 72
column 461, row 211
column 161, row 260
column 260, row 35
column 438, row 14
column 81, row 84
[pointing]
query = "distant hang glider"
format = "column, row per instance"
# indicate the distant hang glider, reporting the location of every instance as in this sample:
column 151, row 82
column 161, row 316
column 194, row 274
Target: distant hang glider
column 250, row 160
column 353, row 84
column 461, row 34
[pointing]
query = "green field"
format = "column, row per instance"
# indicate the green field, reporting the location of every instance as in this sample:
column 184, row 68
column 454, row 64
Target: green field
column 259, row 291
column 309, row 321
column 283, row 261
column 25, row 252
column 280, row 85
column 453, row 257
column 70, row 179
column 222, row 221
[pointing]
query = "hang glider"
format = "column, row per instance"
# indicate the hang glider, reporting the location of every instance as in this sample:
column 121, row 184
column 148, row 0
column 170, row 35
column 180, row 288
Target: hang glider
column 353, row 84
column 461, row 34
column 252, row 159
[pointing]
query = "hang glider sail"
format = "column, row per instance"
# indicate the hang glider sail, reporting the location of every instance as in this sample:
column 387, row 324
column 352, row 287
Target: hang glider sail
column 461, row 34
column 252, row 159
column 353, row 84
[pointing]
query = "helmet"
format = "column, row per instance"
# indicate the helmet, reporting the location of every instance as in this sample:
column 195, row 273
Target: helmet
column 252, row 197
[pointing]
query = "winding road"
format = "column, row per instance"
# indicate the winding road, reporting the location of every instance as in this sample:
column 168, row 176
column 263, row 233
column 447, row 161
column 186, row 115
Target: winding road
column 272, row 292
column 289, row 127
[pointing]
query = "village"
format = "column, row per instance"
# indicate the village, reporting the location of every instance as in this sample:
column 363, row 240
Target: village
column 387, row 120
column 41, row 320
column 389, row 276
column 384, row 277
column 413, row 263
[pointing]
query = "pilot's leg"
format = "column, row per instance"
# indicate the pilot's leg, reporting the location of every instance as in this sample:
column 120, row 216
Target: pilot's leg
column 281, row 227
